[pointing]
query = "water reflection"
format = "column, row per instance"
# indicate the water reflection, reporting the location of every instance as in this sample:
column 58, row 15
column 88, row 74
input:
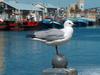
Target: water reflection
column 22, row 56
column 1, row 53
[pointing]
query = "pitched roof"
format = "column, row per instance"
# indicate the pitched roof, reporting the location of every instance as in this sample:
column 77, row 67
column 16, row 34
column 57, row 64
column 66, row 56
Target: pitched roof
column 42, row 5
column 21, row 6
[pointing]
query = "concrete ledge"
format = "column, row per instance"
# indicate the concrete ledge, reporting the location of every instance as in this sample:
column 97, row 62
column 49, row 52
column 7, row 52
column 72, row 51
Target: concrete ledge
column 60, row 71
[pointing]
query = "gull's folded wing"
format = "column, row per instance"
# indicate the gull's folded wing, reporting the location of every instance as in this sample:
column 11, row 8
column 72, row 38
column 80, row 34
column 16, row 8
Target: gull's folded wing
column 51, row 34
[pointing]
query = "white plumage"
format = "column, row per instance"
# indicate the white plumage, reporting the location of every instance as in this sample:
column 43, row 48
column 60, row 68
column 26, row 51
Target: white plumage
column 55, row 36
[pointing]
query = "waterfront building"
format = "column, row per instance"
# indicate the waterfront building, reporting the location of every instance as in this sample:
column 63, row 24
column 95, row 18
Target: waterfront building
column 48, row 9
column 16, row 11
column 97, row 9
column 76, row 9
column 93, row 13
column 81, row 4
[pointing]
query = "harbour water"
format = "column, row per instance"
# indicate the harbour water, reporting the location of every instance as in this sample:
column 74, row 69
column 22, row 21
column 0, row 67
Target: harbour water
column 22, row 56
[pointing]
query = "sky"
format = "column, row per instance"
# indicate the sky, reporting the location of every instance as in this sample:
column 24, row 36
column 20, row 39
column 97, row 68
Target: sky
column 65, row 3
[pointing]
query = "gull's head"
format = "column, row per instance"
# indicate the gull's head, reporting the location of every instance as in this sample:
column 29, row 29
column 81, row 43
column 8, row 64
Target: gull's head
column 68, row 23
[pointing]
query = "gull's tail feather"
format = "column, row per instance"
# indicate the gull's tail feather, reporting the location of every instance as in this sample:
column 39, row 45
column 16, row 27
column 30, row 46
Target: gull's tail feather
column 30, row 36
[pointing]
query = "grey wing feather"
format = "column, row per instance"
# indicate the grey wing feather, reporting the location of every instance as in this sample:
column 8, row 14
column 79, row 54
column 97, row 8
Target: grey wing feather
column 52, row 34
column 40, row 34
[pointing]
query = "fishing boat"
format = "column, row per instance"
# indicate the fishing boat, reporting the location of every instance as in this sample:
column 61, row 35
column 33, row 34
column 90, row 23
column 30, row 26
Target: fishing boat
column 82, row 22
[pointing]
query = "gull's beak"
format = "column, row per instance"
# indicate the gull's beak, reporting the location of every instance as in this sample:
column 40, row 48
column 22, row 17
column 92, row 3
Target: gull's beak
column 73, row 24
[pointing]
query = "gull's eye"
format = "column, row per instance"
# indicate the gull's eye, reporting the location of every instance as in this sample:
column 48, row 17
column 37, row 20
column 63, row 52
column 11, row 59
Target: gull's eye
column 69, row 23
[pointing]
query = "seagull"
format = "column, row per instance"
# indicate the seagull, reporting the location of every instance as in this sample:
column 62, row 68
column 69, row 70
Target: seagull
column 54, row 36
